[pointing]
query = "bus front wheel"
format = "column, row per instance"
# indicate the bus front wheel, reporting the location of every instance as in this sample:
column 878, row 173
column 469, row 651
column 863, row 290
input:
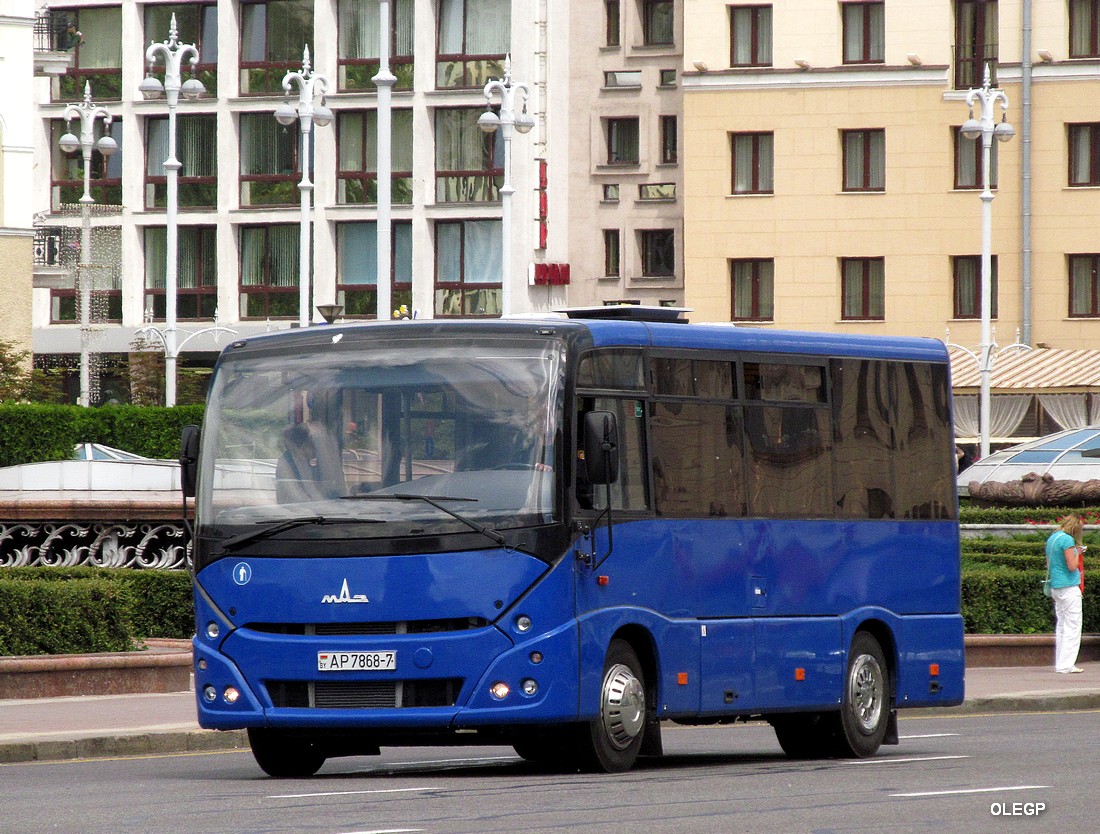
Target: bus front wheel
column 865, row 710
column 615, row 736
column 284, row 756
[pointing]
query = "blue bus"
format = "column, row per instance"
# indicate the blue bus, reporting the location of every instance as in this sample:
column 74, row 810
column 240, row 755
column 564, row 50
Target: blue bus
column 559, row 533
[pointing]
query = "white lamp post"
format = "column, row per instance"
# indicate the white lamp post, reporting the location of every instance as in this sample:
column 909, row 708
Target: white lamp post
column 87, row 112
column 384, row 82
column 987, row 129
column 309, row 84
column 172, row 53
column 506, row 121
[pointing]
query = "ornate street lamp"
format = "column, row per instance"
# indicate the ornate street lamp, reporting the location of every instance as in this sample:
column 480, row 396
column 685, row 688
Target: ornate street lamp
column 87, row 112
column 506, row 121
column 309, row 84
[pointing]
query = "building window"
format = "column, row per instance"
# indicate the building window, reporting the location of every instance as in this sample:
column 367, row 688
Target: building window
column 358, row 40
column 67, row 174
column 657, row 191
column 269, row 161
column 622, row 78
column 658, row 22
column 1084, row 285
column 658, row 248
column 469, row 163
column 357, row 268
column 612, row 263
column 1084, row 154
column 474, row 37
column 667, row 78
column 864, row 159
column 269, row 271
column 612, row 27
column 96, row 38
column 753, row 169
column 197, row 152
column 357, row 155
column 622, row 141
column 976, row 41
column 863, row 288
column 273, row 33
column 669, row 154
column 611, row 193
column 753, row 289
column 467, row 268
column 196, row 270
column 750, row 36
column 1084, row 28
column 967, row 278
column 968, row 161
column 196, row 23
column 864, row 32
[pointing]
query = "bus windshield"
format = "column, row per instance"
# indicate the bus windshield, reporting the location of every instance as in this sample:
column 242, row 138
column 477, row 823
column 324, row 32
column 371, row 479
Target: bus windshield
column 471, row 426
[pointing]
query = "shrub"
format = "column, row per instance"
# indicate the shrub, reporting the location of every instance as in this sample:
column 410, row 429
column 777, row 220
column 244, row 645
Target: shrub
column 128, row 605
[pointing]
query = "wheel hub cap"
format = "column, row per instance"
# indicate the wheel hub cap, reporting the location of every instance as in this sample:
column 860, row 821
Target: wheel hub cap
column 865, row 692
column 622, row 706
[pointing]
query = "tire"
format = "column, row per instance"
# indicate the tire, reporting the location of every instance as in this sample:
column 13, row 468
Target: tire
column 284, row 756
column 614, row 738
column 806, row 736
column 865, row 709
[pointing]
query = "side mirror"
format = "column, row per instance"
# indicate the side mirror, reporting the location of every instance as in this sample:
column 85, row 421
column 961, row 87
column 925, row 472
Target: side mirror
column 189, row 460
column 601, row 447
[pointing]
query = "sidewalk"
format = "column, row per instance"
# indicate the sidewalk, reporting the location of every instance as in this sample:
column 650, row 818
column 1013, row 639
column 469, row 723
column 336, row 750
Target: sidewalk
column 53, row 729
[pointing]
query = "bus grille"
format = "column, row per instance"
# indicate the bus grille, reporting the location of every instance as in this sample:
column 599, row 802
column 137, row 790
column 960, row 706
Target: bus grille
column 442, row 692
column 360, row 629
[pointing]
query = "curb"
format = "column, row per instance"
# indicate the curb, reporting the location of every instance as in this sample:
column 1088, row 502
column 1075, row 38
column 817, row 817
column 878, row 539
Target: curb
column 170, row 743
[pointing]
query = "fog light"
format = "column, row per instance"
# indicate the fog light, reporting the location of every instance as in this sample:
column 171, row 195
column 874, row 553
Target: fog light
column 499, row 690
column 530, row 686
column 536, row 657
column 212, row 630
column 209, row 693
column 523, row 623
column 231, row 695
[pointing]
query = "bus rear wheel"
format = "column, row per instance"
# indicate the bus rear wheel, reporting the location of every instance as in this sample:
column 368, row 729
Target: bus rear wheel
column 284, row 756
column 614, row 738
column 865, row 711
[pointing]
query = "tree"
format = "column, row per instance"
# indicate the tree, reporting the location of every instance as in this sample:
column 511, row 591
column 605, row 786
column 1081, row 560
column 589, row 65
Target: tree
column 15, row 372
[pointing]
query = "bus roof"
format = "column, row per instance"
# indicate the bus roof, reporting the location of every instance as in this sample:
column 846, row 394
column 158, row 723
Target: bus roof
column 612, row 332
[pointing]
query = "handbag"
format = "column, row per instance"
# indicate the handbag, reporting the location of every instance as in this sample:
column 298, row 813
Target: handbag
column 1046, row 588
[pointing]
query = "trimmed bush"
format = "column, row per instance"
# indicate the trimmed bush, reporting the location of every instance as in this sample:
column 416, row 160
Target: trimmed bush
column 32, row 433
column 81, row 615
column 140, row 604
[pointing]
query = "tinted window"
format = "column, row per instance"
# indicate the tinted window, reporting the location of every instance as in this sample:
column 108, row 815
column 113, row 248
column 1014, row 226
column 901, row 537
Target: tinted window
column 629, row 491
column 923, row 442
column 862, row 439
column 789, row 465
column 784, row 383
column 620, row 369
column 693, row 378
column 697, row 460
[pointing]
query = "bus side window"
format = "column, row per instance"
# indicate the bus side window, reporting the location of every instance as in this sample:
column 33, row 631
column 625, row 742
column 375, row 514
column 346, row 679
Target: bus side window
column 629, row 492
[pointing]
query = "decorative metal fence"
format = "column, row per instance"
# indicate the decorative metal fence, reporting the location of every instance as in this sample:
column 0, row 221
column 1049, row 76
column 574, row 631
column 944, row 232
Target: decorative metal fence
column 158, row 545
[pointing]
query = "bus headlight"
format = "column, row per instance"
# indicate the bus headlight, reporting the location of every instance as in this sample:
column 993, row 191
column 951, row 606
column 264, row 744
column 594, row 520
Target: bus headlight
column 529, row 686
column 212, row 630
column 499, row 690
column 209, row 693
column 523, row 623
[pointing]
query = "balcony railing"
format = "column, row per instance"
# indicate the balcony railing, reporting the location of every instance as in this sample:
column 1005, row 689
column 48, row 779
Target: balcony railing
column 970, row 62
column 54, row 32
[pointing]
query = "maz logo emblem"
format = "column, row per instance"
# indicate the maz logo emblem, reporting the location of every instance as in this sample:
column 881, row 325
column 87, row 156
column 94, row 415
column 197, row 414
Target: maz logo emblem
column 344, row 595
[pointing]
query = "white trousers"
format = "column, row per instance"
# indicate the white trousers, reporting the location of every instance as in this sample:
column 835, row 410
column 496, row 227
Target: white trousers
column 1067, row 627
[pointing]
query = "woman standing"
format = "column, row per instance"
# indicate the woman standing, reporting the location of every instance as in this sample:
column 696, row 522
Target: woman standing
column 1064, row 551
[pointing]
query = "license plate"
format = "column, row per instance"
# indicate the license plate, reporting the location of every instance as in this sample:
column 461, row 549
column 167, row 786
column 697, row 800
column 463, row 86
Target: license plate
column 385, row 661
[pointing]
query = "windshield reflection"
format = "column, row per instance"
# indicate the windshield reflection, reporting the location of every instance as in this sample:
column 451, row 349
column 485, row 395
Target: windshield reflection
column 293, row 435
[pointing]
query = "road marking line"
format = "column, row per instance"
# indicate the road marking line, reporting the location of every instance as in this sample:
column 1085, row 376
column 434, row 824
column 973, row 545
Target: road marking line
column 346, row 793
column 933, row 735
column 977, row 790
column 901, row 761
column 387, row 831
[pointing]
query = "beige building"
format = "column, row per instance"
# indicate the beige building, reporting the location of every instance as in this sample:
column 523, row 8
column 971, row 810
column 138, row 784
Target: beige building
column 826, row 185
column 16, row 154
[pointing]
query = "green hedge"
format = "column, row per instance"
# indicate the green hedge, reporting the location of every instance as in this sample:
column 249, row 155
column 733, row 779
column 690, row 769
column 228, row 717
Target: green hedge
column 30, row 433
column 969, row 514
column 75, row 610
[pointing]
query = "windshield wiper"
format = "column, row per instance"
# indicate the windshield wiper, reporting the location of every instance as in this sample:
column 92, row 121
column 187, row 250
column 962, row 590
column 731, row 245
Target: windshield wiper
column 288, row 524
column 434, row 501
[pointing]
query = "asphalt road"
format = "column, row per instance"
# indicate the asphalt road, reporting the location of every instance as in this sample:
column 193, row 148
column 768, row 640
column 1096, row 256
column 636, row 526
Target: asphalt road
column 1032, row 772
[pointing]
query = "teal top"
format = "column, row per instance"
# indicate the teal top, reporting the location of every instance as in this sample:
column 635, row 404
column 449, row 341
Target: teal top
column 1060, row 574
